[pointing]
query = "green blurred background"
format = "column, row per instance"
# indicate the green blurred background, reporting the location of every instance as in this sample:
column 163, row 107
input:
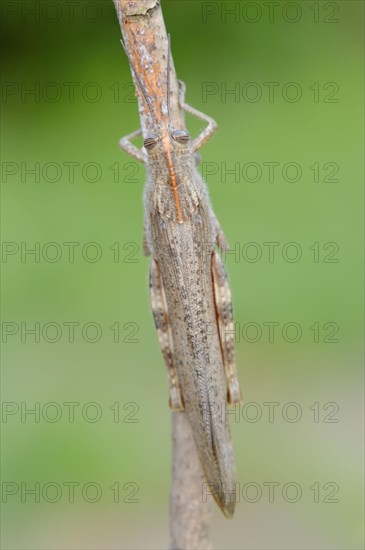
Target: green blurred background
column 310, row 44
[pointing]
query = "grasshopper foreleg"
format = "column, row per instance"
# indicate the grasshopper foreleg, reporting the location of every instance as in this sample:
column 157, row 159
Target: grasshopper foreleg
column 127, row 146
column 209, row 130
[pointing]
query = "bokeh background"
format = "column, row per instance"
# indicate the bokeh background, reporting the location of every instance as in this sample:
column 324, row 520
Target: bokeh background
column 120, row 434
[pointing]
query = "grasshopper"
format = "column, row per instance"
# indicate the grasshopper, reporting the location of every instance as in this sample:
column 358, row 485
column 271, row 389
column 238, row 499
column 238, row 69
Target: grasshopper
column 189, row 290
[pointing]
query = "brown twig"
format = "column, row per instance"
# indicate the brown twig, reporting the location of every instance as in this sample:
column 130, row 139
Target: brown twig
column 145, row 39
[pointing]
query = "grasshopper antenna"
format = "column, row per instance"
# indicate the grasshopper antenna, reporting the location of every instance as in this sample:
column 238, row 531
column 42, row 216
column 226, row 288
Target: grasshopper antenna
column 141, row 85
column 168, row 75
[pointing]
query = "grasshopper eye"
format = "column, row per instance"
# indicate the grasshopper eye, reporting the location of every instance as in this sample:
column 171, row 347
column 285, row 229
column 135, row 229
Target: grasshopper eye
column 150, row 141
column 180, row 135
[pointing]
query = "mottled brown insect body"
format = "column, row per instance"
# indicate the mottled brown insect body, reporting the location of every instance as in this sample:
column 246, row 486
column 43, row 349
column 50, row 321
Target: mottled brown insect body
column 190, row 296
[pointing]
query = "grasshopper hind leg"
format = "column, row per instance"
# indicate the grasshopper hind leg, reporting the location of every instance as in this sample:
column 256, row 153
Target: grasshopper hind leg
column 160, row 314
column 223, row 305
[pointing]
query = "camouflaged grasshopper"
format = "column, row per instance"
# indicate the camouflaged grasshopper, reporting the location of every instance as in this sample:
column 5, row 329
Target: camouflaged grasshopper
column 189, row 290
